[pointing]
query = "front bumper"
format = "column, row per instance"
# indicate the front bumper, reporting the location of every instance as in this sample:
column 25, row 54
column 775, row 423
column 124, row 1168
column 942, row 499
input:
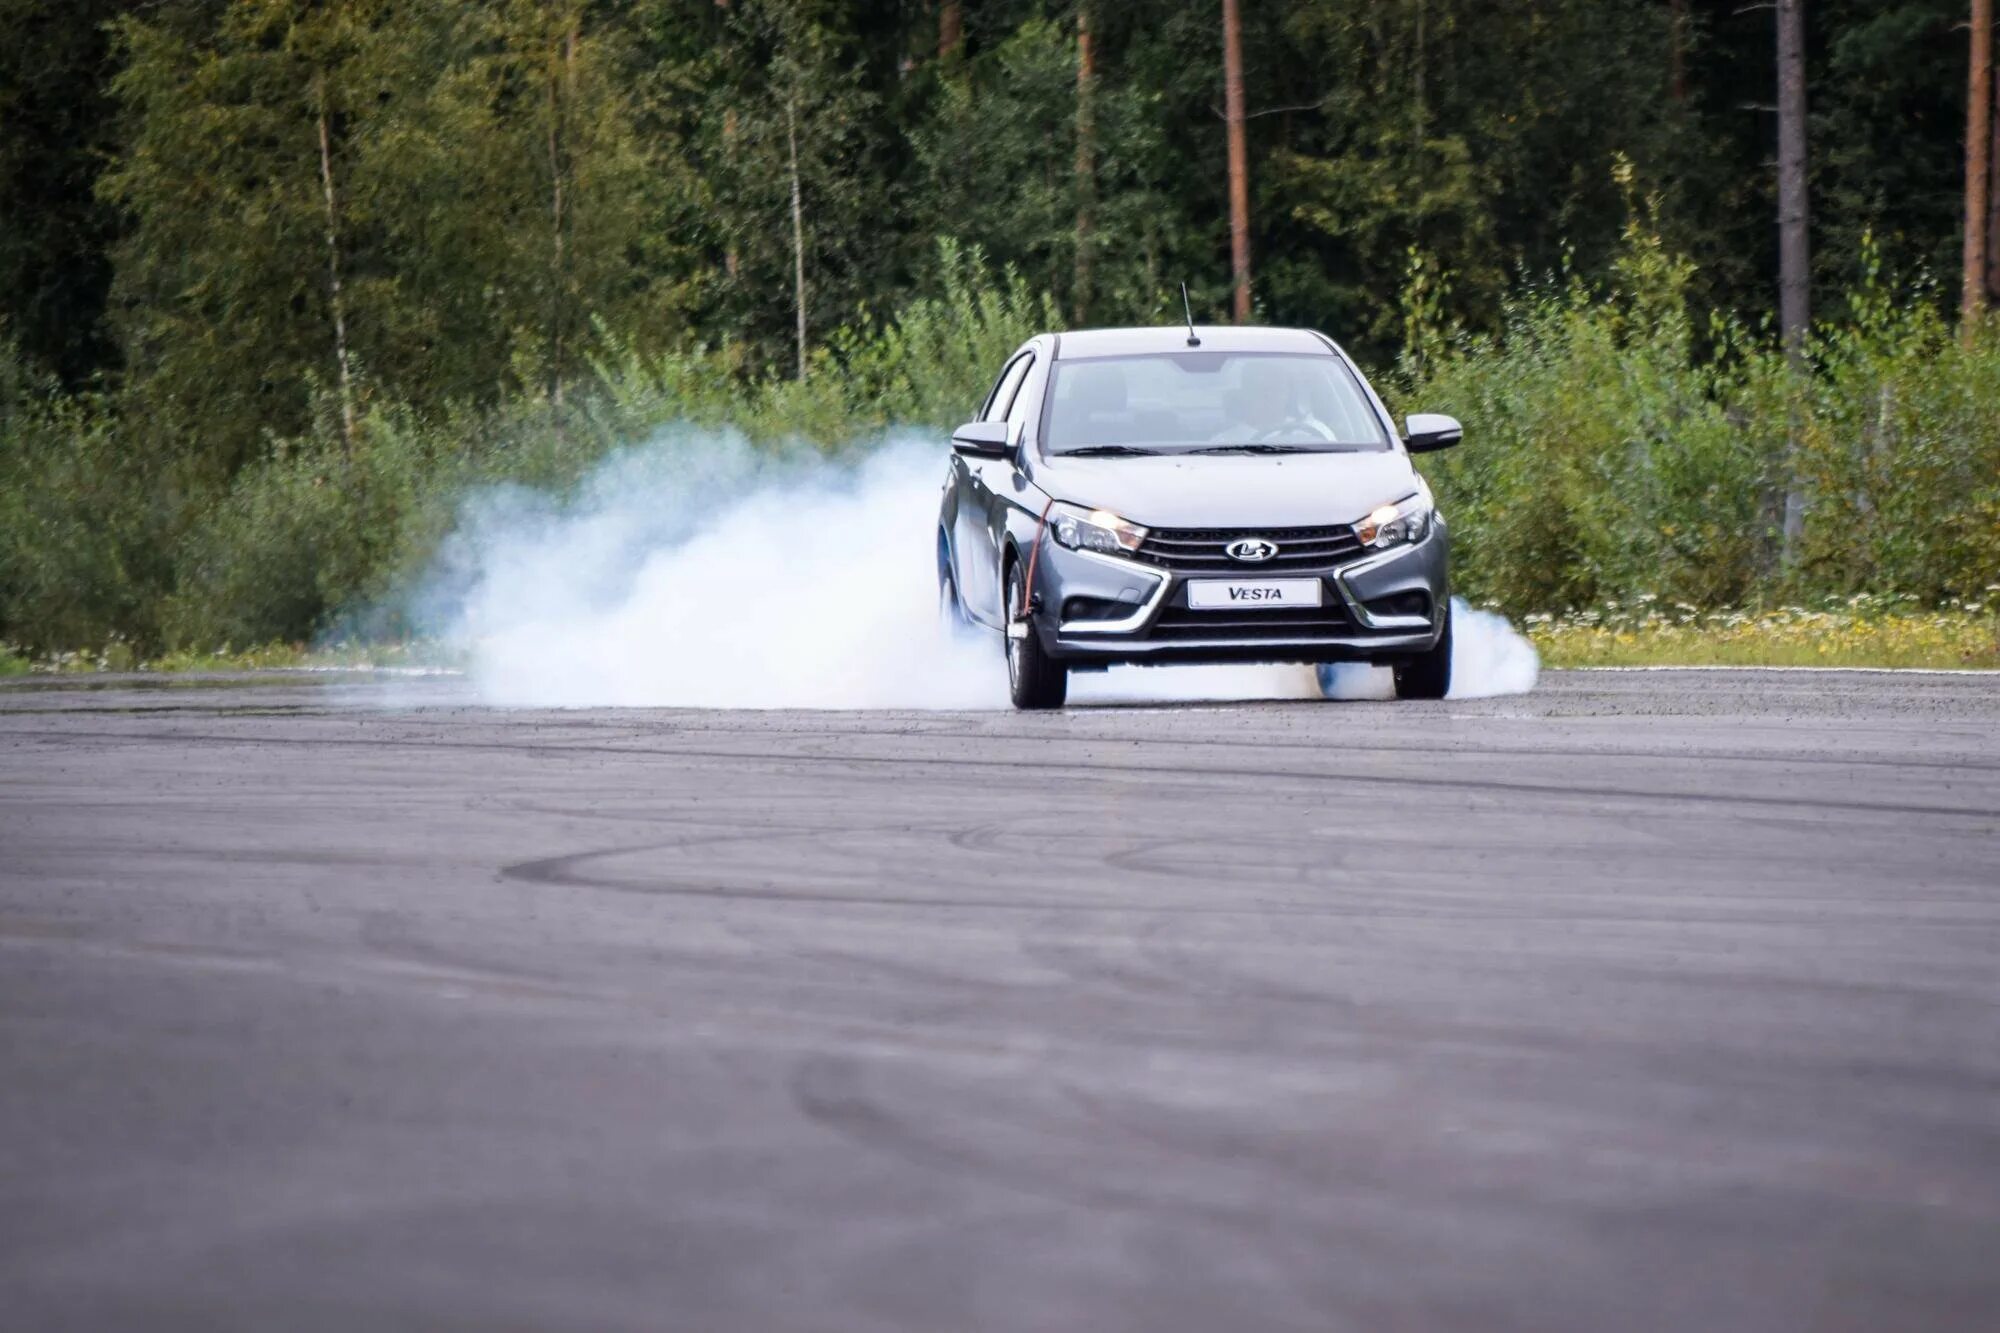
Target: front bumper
column 1387, row 606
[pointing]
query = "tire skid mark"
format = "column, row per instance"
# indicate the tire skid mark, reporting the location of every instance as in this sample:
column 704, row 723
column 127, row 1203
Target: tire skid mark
column 1086, row 962
column 562, row 871
column 1258, row 744
column 851, row 960
column 390, row 935
column 1193, row 859
column 1069, row 1161
column 1095, row 771
column 1171, row 951
column 1148, row 974
column 1274, row 742
column 832, row 1092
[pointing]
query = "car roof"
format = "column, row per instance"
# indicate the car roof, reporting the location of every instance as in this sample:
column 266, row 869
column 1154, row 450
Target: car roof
column 1174, row 338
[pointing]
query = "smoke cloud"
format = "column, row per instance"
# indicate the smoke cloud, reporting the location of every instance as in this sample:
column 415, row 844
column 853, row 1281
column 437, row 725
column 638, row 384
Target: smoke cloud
column 695, row 571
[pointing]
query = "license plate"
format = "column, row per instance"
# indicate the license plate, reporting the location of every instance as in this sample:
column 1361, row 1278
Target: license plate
column 1234, row 594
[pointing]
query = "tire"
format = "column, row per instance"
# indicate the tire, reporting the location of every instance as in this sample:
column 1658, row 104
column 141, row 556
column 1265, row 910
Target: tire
column 1034, row 679
column 952, row 620
column 1429, row 676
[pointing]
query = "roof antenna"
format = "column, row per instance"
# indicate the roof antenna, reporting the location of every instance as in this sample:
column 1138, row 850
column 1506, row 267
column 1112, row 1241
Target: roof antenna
column 1188, row 310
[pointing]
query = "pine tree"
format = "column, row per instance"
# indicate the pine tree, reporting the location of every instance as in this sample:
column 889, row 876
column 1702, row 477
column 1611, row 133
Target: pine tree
column 437, row 201
column 1239, row 166
column 55, row 120
column 235, row 148
column 1978, row 162
column 793, row 191
column 1794, row 243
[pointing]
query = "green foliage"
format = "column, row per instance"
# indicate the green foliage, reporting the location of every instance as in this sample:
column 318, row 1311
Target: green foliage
column 786, row 106
column 1602, row 458
column 1859, row 631
column 1482, row 137
column 84, row 522
column 1613, row 455
column 54, row 133
column 1901, row 457
column 997, row 161
column 1888, row 129
column 474, row 174
column 926, row 366
column 558, row 224
column 318, row 530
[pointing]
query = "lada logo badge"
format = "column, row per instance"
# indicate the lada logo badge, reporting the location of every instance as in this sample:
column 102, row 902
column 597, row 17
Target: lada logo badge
column 1251, row 549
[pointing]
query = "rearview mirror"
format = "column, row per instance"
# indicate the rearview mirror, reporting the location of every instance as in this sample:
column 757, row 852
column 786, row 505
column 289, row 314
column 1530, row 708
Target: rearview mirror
column 1426, row 431
column 983, row 439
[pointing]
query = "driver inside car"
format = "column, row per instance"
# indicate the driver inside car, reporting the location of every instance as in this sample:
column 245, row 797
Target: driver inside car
column 1262, row 409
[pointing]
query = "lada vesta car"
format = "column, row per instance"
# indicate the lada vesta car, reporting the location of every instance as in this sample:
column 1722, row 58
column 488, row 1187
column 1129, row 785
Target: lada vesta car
column 1190, row 495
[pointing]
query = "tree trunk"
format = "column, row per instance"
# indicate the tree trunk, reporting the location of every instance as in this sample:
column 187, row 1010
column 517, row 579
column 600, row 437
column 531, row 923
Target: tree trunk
column 1978, row 165
column 1677, row 17
column 951, row 28
column 562, row 91
column 1794, row 254
column 798, row 227
column 1086, row 157
column 730, row 262
column 335, row 302
column 1239, row 180
column 1993, row 200
column 1419, row 113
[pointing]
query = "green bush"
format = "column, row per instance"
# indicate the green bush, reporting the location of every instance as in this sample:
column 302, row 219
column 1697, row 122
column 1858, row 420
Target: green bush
column 1615, row 451
column 927, row 366
column 320, row 531
column 84, row 520
column 1612, row 453
column 1901, row 455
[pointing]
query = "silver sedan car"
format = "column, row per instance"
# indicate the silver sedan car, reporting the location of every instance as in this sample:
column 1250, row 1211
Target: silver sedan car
column 1185, row 495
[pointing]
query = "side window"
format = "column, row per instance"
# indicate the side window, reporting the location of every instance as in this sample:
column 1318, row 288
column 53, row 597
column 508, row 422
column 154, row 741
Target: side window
column 1002, row 396
column 1018, row 410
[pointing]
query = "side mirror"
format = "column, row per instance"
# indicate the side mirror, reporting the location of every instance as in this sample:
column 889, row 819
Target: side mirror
column 1424, row 432
column 983, row 439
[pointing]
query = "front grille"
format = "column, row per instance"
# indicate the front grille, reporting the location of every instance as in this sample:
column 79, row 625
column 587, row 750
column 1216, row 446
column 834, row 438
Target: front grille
column 1179, row 621
column 1204, row 550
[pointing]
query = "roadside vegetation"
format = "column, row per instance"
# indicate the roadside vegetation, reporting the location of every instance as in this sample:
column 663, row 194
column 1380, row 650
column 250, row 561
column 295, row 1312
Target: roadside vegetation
column 1617, row 457
column 1857, row 632
column 292, row 282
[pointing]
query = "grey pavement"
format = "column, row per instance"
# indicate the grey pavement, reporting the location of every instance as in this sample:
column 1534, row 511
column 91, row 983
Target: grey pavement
column 1647, row 1001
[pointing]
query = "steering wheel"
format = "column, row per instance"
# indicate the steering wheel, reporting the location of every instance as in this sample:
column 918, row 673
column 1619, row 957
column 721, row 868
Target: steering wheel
column 1290, row 428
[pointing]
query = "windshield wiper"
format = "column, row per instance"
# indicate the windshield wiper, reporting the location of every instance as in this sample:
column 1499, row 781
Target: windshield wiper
column 1108, row 451
column 1257, row 449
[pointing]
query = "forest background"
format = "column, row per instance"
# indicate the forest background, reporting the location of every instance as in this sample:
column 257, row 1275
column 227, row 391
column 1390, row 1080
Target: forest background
column 282, row 281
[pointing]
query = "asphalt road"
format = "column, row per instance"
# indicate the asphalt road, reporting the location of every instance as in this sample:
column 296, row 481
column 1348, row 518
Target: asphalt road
column 1650, row 1001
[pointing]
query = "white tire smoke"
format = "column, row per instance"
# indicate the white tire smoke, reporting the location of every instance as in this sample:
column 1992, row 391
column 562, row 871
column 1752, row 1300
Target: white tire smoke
column 697, row 572
column 1489, row 656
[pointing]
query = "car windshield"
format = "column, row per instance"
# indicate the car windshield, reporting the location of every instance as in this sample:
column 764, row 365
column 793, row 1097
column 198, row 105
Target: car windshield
column 1209, row 402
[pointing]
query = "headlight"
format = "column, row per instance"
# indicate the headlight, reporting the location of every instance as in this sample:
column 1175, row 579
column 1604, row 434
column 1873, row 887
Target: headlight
column 1093, row 529
column 1397, row 524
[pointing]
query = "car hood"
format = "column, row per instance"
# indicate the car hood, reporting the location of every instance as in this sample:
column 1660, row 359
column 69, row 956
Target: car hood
column 1233, row 491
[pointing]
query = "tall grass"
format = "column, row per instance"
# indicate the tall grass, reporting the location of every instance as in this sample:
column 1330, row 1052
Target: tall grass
column 1615, row 450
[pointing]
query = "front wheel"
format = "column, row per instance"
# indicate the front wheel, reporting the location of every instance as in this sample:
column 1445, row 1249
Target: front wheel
column 1429, row 676
column 1034, row 679
column 952, row 620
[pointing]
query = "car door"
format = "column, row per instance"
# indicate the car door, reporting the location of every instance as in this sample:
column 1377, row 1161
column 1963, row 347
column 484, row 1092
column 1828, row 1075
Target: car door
column 979, row 481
